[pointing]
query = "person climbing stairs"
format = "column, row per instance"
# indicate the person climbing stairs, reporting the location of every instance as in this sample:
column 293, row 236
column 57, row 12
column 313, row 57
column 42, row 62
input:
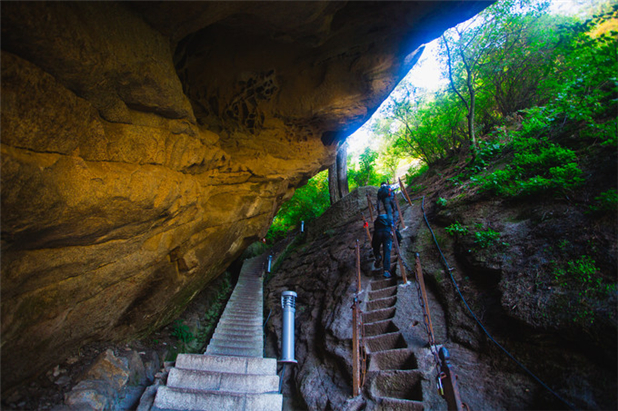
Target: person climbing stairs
column 232, row 374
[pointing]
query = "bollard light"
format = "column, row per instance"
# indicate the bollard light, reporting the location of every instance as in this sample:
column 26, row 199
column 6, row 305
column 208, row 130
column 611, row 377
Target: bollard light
column 270, row 259
column 302, row 226
column 288, row 303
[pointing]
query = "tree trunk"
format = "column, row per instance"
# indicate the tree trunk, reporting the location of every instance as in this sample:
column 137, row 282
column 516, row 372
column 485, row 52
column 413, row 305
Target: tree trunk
column 333, row 186
column 342, row 170
column 338, row 175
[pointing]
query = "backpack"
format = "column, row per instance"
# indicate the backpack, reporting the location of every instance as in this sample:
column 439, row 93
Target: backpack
column 382, row 222
column 384, row 192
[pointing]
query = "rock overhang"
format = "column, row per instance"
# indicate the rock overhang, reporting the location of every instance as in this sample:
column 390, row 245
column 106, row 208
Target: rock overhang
column 145, row 144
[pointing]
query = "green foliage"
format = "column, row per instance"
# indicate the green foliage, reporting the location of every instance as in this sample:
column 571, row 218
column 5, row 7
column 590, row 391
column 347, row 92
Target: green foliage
column 441, row 202
column 486, row 152
column 606, row 201
column 582, row 271
column 513, row 58
column 307, row 204
column 457, row 229
column 584, row 277
column 414, row 172
column 485, row 239
column 182, row 332
column 538, row 165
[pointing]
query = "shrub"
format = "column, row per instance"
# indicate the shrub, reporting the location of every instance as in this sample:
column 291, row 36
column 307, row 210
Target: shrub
column 606, row 201
column 457, row 229
column 485, row 239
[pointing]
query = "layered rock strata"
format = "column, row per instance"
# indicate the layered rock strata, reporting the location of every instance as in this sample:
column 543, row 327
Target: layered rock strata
column 145, row 145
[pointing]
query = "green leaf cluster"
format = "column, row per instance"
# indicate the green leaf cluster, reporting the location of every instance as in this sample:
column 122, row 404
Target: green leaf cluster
column 457, row 229
column 307, row 204
column 538, row 165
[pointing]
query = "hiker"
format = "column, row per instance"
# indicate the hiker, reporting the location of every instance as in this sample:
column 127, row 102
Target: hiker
column 387, row 198
column 382, row 237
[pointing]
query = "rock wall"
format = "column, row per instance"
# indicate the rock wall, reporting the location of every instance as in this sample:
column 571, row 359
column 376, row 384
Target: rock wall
column 145, row 145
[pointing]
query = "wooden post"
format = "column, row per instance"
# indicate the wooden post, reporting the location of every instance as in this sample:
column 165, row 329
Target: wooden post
column 366, row 225
column 358, row 268
column 399, row 258
column 355, row 350
column 405, row 192
column 449, row 382
column 398, row 211
column 421, row 282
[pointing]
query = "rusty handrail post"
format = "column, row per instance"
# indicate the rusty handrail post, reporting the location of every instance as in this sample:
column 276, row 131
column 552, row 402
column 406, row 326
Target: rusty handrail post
column 398, row 210
column 355, row 341
column 370, row 206
column 399, row 258
column 421, row 282
column 449, row 382
column 355, row 350
column 366, row 225
column 405, row 192
column 358, row 268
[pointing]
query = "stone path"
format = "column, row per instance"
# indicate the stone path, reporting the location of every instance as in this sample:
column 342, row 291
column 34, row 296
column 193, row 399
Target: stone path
column 232, row 374
column 393, row 379
column 392, row 375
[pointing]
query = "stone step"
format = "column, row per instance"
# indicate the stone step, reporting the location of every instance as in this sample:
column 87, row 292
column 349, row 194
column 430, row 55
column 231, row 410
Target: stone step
column 383, row 293
column 239, row 365
column 222, row 381
column 242, row 314
column 390, row 404
column 380, row 327
column 244, row 306
column 246, row 321
column 238, row 333
column 181, row 399
column 385, row 342
column 241, row 320
column 252, row 298
column 397, row 385
column 240, row 345
column 380, row 284
column 242, row 310
column 233, row 326
column 378, row 315
column 234, row 351
column 400, row 359
column 381, row 303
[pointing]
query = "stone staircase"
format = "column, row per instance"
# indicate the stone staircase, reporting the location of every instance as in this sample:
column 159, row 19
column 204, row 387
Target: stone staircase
column 393, row 379
column 232, row 374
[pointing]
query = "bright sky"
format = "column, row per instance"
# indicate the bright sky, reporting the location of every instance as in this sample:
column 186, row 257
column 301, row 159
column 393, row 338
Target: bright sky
column 428, row 74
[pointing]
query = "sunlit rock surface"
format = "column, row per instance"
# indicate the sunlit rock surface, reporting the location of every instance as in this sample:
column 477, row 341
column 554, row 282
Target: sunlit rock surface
column 145, row 145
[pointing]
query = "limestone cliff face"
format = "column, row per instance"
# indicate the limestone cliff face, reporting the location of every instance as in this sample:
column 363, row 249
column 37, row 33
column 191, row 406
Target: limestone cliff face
column 145, row 145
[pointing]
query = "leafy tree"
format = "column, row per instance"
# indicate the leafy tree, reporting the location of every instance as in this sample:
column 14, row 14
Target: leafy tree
column 366, row 171
column 307, row 204
column 485, row 44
